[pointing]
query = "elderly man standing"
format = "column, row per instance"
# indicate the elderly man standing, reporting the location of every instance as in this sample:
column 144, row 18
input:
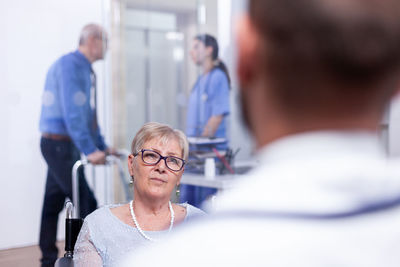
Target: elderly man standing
column 316, row 77
column 69, row 127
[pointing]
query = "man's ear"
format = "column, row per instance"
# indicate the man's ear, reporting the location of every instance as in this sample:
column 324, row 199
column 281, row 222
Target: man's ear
column 248, row 41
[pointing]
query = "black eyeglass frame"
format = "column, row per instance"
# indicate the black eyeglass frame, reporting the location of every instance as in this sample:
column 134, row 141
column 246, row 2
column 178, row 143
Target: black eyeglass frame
column 161, row 157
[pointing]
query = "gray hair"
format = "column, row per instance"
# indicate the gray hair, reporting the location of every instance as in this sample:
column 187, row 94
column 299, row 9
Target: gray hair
column 164, row 133
column 90, row 30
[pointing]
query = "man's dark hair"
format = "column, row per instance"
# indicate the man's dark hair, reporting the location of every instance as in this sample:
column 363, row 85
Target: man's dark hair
column 322, row 52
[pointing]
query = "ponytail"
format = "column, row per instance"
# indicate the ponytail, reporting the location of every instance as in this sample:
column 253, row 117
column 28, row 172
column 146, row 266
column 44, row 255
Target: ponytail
column 221, row 65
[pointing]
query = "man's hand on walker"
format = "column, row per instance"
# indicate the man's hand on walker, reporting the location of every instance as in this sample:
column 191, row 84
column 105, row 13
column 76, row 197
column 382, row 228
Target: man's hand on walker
column 97, row 157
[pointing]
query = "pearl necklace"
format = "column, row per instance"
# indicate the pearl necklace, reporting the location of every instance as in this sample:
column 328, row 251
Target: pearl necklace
column 140, row 229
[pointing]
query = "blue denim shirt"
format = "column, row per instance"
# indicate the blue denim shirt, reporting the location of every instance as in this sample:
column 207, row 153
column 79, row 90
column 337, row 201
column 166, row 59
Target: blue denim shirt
column 66, row 105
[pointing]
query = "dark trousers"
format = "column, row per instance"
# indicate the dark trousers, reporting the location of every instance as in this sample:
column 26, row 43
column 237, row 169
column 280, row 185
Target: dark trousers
column 60, row 156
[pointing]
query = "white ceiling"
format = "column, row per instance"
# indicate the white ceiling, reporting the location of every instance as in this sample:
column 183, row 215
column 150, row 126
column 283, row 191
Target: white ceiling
column 178, row 6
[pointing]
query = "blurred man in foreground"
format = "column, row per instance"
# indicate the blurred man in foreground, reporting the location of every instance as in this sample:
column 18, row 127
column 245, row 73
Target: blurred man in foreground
column 316, row 77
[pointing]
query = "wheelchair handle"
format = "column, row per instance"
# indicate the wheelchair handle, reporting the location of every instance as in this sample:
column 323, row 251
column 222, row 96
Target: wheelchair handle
column 75, row 182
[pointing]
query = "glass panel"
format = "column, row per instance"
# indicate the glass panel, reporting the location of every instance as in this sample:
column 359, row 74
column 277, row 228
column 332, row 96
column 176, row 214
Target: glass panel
column 159, row 75
column 155, row 48
column 136, row 61
column 165, row 83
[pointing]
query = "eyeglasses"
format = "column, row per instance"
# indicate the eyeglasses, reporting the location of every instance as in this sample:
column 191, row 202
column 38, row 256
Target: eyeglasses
column 152, row 157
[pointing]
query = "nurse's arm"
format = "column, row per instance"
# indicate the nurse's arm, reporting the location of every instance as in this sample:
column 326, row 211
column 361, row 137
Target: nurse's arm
column 212, row 125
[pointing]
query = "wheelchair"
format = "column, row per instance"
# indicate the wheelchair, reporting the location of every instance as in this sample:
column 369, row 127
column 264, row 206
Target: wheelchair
column 72, row 228
column 73, row 223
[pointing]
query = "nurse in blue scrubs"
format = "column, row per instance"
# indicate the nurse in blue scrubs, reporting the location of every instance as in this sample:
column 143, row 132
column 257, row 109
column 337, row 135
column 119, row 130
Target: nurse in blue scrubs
column 208, row 106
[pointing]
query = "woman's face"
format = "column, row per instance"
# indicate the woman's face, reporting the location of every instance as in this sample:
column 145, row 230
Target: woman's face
column 155, row 181
column 199, row 52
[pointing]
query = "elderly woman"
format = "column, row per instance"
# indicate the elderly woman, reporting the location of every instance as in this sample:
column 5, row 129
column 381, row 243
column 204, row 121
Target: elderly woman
column 156, row 166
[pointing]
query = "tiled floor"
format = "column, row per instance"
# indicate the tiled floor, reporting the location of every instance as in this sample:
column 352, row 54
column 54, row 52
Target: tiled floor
column 24, row 257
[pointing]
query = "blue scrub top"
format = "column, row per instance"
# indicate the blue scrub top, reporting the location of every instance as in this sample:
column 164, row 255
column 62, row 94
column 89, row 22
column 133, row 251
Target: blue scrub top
column 209, row 97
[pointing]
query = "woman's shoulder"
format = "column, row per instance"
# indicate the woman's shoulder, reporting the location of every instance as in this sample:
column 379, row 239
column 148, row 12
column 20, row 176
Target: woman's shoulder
column 101, row 213
column 219, row 79
column 192, row 211
column 218, row 74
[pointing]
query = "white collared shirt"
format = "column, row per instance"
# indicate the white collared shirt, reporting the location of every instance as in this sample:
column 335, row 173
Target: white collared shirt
column 287, row 212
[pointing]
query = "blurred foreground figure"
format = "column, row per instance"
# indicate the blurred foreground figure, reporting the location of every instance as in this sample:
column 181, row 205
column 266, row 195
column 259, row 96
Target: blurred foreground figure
column 68, row 124
column 316, row 76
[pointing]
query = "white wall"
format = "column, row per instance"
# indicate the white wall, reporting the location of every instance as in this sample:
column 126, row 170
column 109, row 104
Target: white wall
column 33, row 34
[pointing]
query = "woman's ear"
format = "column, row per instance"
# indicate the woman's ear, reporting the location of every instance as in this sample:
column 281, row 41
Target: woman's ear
column 178, row 182
column 209, row 51
column 130, row 164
